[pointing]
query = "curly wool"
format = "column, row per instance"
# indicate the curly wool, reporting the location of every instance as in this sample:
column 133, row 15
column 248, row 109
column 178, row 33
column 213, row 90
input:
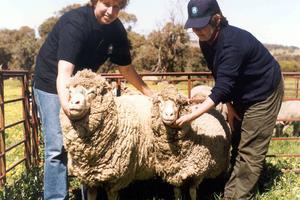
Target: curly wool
column 199, row 150
column 110, row 145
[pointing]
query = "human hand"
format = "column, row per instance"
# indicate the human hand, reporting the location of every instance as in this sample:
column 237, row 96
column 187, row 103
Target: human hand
column 66, row 110
column 232, row 115
column 183, row 120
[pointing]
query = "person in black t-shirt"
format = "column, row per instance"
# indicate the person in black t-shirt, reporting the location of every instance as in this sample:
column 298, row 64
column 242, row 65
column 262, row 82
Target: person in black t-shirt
column 248, row 79
column 82, row 38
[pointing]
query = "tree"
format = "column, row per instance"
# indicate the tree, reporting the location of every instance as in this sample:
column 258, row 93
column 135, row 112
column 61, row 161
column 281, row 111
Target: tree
column 170, row 48
column 17, row 48
column 47, row 26
column 195, row 60
column 5, row 47
column 67, row 9
column 127, row 19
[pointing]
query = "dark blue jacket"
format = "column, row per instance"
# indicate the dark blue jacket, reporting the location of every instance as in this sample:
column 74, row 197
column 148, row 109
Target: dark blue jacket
column 244, row 70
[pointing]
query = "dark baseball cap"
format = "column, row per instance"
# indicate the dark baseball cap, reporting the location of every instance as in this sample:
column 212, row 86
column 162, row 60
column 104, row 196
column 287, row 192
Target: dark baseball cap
column 200, row 12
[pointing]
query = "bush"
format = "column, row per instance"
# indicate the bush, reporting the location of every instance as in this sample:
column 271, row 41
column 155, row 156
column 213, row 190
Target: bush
column 28, row 187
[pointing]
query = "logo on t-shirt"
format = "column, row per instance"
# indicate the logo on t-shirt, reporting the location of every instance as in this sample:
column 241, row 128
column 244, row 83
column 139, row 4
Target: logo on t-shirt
column 110, row 49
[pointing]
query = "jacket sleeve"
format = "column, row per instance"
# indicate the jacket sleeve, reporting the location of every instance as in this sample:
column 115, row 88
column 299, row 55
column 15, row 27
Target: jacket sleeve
column 228, row 63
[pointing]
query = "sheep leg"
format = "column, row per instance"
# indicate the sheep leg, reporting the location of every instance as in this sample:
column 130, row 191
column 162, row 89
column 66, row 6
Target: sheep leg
column 193, row 188
column 92, row 193
column 193, row 192
column 177, row 193
column 112, row 195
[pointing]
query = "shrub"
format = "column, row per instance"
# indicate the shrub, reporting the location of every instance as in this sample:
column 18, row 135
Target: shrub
column 28, row 187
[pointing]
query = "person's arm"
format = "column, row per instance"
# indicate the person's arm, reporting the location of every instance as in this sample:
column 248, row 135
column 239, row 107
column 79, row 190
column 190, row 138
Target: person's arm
column 202, row 108
column 65, row 70
column 132, row 77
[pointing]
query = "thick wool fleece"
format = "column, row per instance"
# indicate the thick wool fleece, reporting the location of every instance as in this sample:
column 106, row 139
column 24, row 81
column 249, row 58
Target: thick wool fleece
column 112, row 145
column 197, row 151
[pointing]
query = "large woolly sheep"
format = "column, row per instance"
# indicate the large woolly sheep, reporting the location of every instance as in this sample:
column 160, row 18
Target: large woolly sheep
column 108, row 138
column 290, row 110
column 196, row 151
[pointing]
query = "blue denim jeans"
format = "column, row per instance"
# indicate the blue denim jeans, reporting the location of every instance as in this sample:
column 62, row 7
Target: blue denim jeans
column 55, row 169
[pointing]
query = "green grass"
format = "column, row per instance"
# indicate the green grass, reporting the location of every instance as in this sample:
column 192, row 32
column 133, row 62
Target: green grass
column 291, row 85
column 13, row 112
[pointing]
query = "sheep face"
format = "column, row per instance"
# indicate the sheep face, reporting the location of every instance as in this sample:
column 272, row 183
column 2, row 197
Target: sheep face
column 169, row 103
column 79, row 102
column 169, row 111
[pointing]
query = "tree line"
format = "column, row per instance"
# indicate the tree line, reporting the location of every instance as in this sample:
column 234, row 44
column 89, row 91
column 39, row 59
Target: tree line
column 168, row 49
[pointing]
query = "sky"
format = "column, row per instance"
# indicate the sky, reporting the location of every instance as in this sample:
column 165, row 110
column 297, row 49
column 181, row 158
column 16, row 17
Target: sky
column 271, row 21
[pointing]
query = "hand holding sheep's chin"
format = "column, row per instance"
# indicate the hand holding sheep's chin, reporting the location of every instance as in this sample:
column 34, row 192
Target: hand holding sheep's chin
column 66, row 110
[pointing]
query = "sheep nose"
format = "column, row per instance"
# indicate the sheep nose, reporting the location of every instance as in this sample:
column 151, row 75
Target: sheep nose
column 169, row 113
column 76, row 102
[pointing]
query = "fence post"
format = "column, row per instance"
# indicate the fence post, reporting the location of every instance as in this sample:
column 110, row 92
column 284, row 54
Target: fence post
column 26, row 117
column 297, row 87
column 189, row 86
column 35, row 127
column 2, row 133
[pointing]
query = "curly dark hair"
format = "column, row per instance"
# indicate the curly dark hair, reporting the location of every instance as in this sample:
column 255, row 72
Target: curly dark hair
column 122, row 3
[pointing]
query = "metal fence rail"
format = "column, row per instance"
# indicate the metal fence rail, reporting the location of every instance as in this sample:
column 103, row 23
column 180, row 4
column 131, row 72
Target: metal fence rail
column 30, row 140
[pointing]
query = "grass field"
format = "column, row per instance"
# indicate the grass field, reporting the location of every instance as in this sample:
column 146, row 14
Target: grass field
column 274, row 184
column 12, row 114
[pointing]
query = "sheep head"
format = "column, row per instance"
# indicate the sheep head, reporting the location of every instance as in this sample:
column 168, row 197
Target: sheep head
column 80, row 101
column 170, row 102
column 83, row 89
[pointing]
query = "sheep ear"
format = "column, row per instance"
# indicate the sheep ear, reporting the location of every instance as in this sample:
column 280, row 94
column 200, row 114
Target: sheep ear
column 182, row 100
column 108, row 86
column 159, row 98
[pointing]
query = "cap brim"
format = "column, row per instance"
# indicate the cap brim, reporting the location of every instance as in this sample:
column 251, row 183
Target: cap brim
column 197, row 22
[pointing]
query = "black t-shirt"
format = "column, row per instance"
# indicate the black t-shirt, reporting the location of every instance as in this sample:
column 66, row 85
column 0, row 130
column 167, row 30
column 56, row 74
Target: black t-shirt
column 78, row 38
column 244, row 70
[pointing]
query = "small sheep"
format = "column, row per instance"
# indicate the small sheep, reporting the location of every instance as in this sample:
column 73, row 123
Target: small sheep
column 188, row 155
column 201, row 92
column 108, row 139
column 290, row 110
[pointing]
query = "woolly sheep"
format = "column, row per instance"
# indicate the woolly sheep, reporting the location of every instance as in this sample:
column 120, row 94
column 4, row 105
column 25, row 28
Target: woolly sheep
column 290, row 110
column 196, row 151
column 122, row 89
column 108, row 138
column 201, row 92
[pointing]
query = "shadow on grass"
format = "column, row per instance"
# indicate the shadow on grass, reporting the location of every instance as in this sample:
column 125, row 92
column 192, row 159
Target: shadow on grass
column 268, row 177
column 156, row 189
column 209, row 189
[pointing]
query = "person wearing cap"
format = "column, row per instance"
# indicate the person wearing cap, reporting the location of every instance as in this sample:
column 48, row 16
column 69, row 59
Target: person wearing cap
column 248, row 79
column 83, row 38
